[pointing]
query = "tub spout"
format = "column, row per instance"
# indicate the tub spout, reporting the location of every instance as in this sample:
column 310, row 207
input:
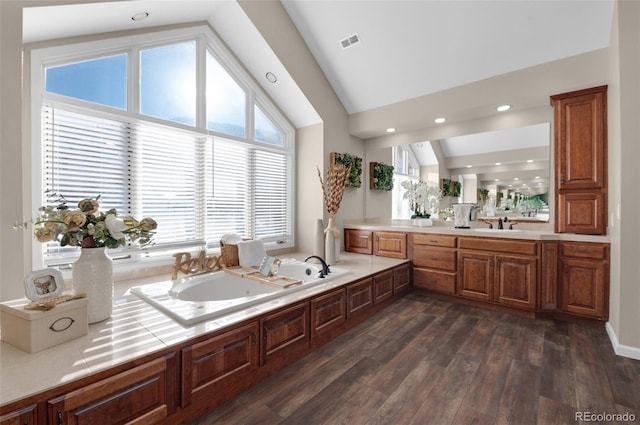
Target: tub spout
column 325, row 268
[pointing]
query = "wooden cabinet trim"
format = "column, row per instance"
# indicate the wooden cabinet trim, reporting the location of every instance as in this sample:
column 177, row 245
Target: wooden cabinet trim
column 382, row 286
column 328, row 311
column 359, row 296
column 390, row 244
column 401, row 279
column 359, row 241
column 283, row 329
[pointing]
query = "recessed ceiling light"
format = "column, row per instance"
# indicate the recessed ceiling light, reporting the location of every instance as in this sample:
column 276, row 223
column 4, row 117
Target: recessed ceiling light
column 503, row 108
column 271, row 77
column 391, row 130
column 496, row 180
column 537, row 177
column 529, row 160
column 498, row 163
column 515, row 178
column 469, row 166
column 510, row 185
column 440, row 120
column 540, row 184
column 140, row 16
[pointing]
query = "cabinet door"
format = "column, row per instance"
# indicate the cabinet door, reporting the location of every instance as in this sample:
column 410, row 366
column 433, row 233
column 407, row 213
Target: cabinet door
column 401, row 279
column 382, row 286
column 390, row 244
column 582, row 213
column 327, row 312
column 475, row 275
column 25, row 416
column 580, row 139
column 515, row 281
column 216, row 364
column 360, row 241
column 143, row 395
column 285, row 332
column 583, row 287
column 359, row 297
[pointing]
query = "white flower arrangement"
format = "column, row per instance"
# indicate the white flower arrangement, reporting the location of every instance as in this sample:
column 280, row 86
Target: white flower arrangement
column 424, row 200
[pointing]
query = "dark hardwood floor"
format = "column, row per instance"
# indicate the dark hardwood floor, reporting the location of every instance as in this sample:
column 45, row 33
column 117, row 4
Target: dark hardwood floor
column 426, row 361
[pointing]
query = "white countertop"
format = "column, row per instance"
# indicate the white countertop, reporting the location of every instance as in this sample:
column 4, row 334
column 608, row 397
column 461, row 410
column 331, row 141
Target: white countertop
column 136, row 329
column 523, row 230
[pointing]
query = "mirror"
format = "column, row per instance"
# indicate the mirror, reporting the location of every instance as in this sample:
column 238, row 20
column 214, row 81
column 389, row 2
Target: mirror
column 512, row 163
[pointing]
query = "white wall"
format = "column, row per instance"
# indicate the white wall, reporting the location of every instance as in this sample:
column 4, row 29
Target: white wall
column 378, row 202
column 624, row 174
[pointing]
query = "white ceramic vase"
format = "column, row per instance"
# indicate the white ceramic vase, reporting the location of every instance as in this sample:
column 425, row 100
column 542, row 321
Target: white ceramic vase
column 318, row 247
column 331, row 242
column 92, row 274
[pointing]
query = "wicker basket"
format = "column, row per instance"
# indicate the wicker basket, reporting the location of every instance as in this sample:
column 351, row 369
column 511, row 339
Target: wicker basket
column 229, row 254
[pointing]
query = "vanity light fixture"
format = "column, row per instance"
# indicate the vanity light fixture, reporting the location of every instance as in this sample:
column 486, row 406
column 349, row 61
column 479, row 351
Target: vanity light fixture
column 440, row 120
column 140, row 16
column 503, row 108
column 390, row 130
column 271, row 77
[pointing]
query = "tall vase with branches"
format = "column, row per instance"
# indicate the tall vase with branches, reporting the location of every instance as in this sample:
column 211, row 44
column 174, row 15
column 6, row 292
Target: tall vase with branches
column 332, row 191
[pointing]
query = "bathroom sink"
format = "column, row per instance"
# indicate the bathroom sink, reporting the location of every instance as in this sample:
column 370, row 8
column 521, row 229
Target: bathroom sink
column 498, row 230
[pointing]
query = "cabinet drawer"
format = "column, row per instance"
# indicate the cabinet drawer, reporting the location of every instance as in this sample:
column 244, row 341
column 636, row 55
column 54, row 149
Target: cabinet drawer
column 285, row 332
column 360, row 241
column 434, row 258
column 500, row 245
column 401, row 279
column 434, row 240
column 382, row 286
column 215, row 364
column 359, row 297
column 434, row 280
column 144, row 394
column 327, row 312
column 594, row 251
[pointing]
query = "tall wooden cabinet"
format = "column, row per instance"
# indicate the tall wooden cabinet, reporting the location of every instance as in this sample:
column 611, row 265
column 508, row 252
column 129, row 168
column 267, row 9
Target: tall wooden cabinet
column 580, row 131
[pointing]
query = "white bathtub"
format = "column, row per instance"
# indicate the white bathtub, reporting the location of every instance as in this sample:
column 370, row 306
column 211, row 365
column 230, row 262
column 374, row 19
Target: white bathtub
column 193, row 299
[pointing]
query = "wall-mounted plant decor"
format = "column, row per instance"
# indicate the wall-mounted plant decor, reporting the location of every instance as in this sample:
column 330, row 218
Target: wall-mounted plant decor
column 381, row 176
column 450, row 187
column 348, row 160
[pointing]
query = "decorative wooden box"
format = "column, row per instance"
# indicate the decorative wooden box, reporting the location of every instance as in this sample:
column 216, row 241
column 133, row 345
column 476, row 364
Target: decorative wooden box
column 33, row 330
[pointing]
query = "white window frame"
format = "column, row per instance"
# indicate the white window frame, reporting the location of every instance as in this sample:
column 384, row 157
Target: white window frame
column 132, row 45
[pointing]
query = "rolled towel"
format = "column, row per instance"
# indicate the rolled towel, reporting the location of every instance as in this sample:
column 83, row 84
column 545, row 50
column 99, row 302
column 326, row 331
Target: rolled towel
column 251, row 253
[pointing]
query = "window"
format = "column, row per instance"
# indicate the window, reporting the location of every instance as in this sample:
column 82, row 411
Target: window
column 405, row 167
column 151, row 156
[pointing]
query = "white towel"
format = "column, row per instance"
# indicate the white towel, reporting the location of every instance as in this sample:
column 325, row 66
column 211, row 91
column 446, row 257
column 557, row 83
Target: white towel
column 461, row 215
column 251, row 253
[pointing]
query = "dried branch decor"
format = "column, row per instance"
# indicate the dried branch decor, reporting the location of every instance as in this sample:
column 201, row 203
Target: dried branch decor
column 333, row 187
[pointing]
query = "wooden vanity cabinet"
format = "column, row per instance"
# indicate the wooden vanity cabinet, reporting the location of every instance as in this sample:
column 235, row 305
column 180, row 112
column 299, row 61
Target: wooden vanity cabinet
column 328, row 311
column 499, row 270
column 401, row 279
column 360, row 241
column 25, row 416
column 359, row 297
column 434, row 262
column 218, row 364
column 390, row 244
column 285, row 335
column 580, row 132
column 145, row 394
column 382, row 286
column 584, row 279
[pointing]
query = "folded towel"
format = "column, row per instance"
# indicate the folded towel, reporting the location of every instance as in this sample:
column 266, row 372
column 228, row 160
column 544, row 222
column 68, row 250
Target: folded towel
column 462, row 213
column 251, row 253
column 230, row 239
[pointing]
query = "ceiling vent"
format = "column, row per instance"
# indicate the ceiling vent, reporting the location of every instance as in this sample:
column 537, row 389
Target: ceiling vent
column 350, row 41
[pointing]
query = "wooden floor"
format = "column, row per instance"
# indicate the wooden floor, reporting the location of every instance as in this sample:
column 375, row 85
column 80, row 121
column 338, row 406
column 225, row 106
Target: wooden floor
column 426, row 361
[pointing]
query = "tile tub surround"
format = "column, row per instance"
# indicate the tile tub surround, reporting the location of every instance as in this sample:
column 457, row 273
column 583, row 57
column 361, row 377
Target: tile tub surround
column 137, row 329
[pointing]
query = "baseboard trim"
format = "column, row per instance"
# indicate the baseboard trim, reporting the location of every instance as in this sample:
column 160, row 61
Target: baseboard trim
column 621, row 350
